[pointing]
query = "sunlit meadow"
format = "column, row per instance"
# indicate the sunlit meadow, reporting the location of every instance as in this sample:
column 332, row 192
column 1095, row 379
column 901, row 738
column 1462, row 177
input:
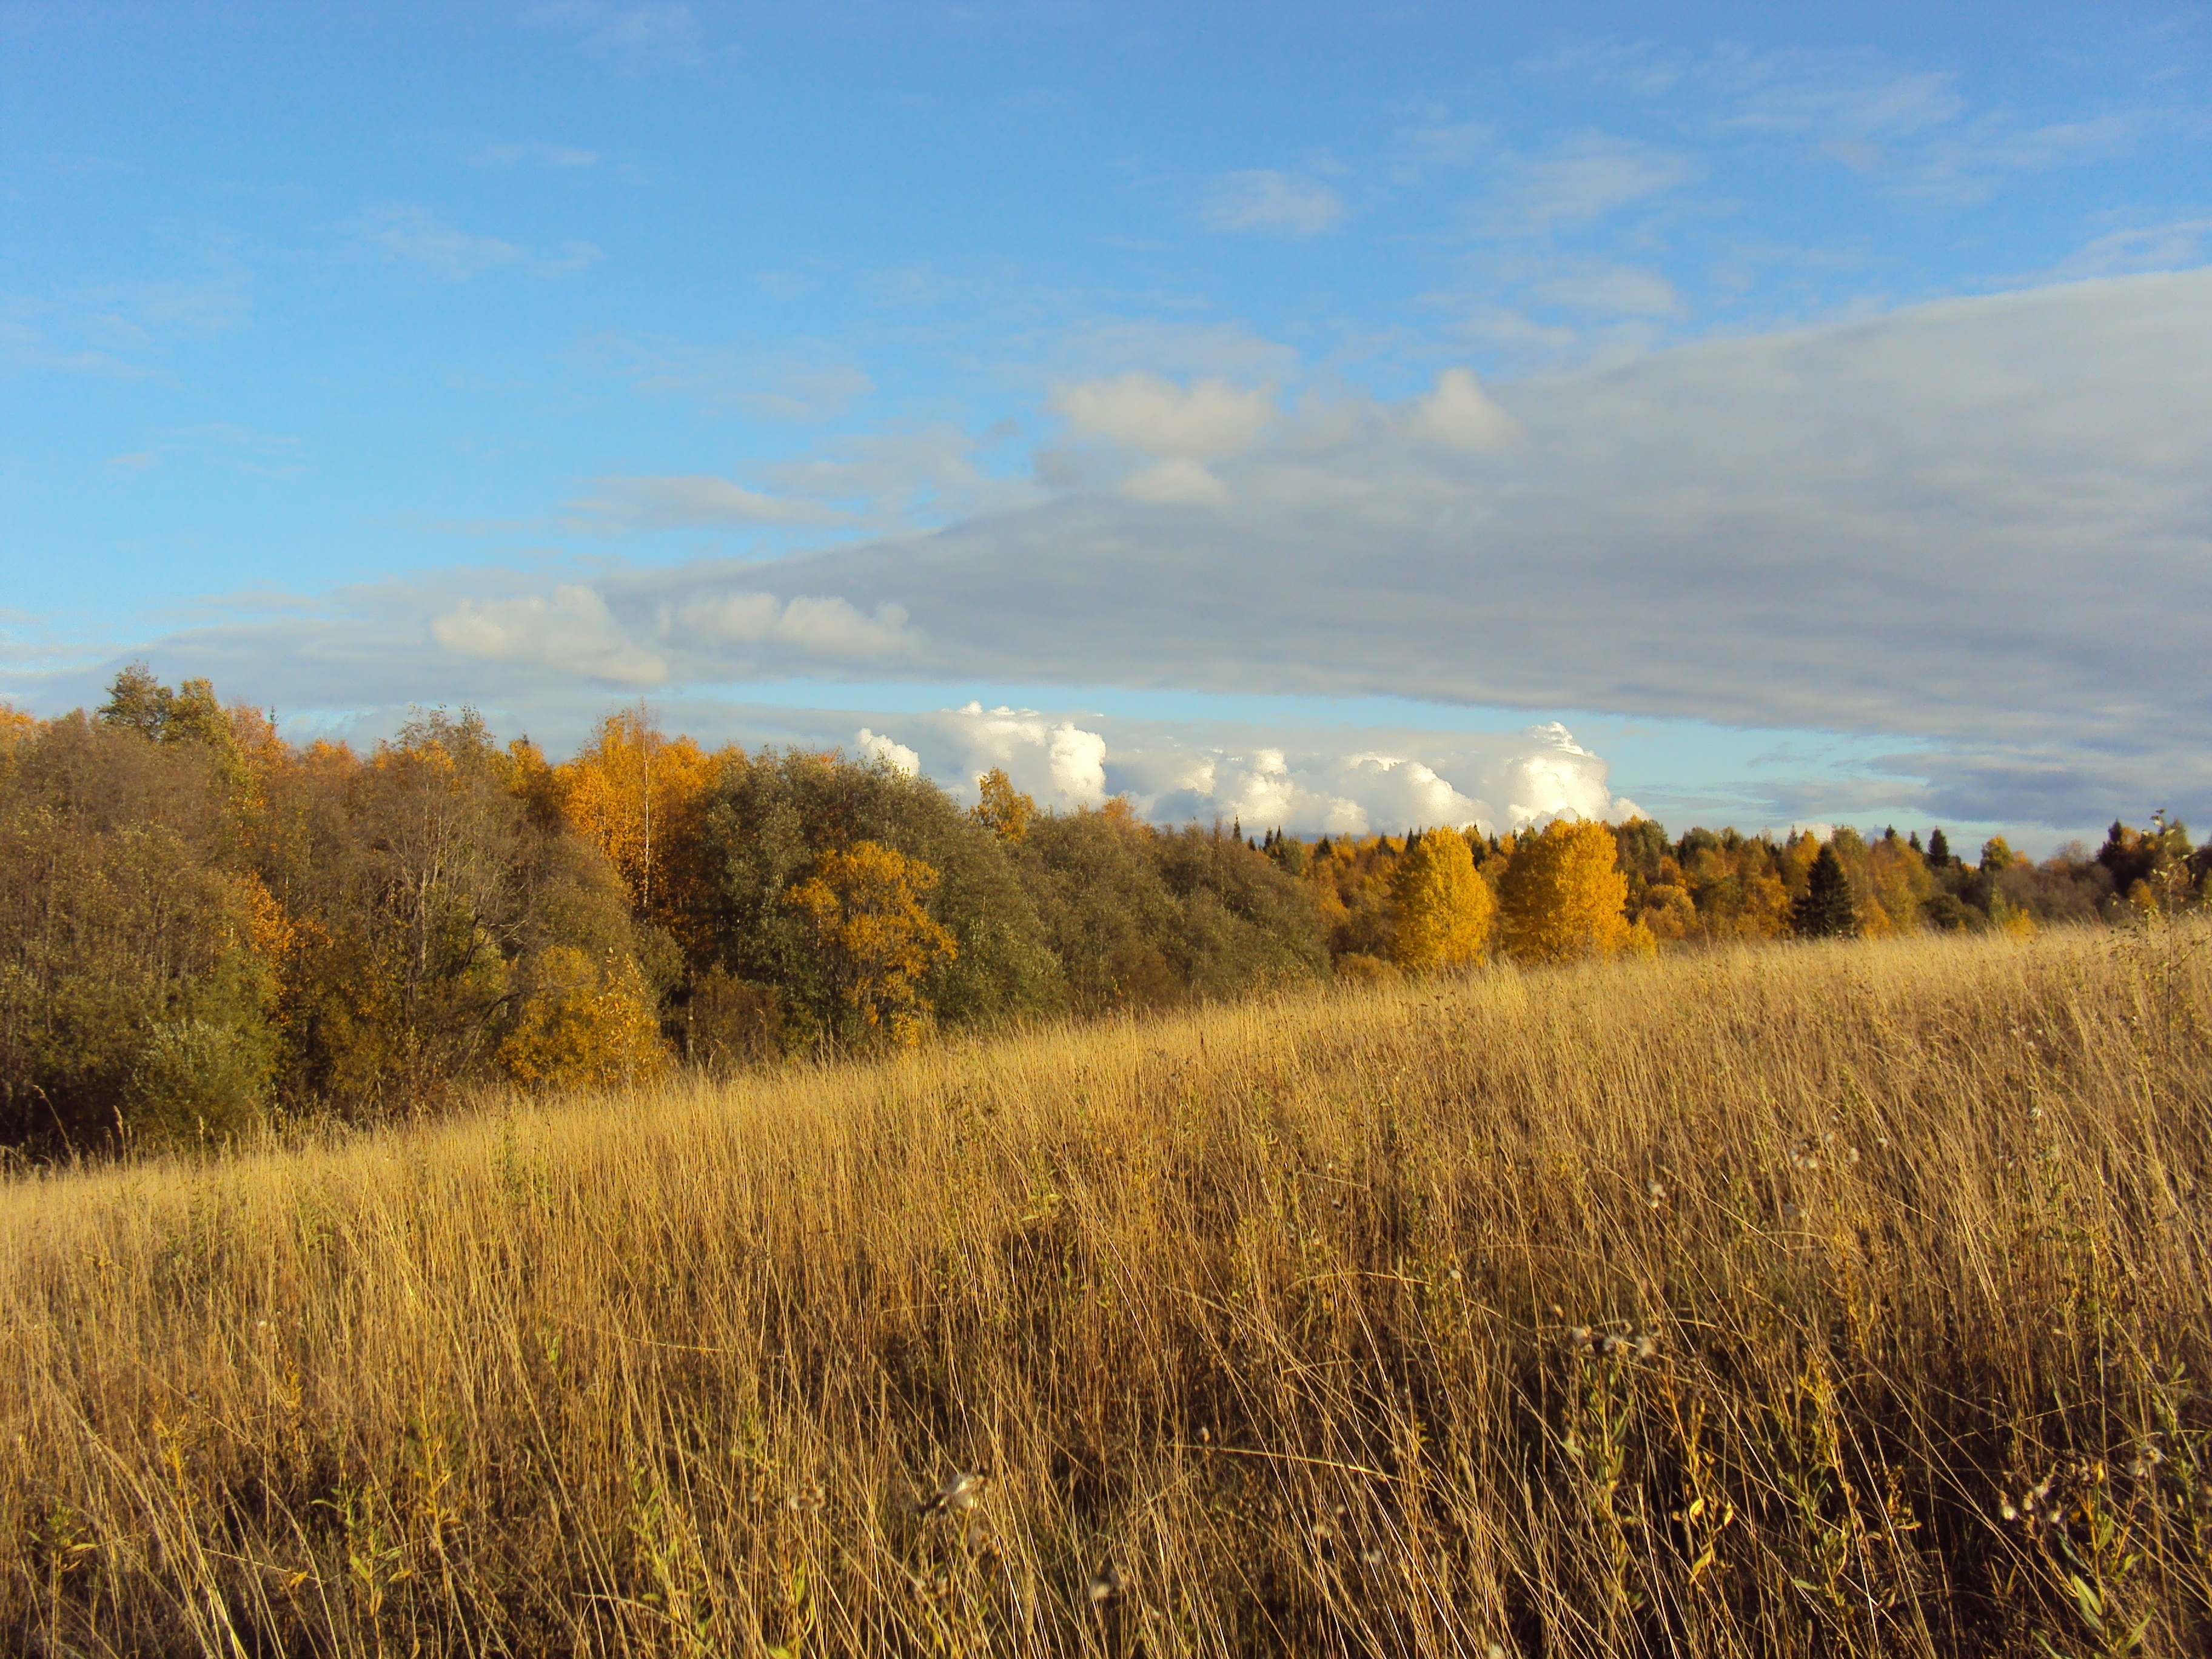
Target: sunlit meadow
column 1818, row 1299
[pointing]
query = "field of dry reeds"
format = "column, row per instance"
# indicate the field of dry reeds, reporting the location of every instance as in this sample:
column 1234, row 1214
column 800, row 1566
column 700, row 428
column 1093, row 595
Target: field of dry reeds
column 1827, row 1300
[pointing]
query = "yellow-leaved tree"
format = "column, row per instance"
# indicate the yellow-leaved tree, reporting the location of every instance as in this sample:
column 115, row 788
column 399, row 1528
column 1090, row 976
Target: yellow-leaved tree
column 584, row 1024
column 641, row 797
column 1561, row 894
column 874, row 941
column 1003, row 809
column 1442, row 906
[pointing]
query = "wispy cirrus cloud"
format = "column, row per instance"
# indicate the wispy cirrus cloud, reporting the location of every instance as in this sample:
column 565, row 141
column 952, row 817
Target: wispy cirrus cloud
column 1263, row 201
column 685, row 501
column 566, row 157
column 1914, row 131
column 1575, row 185
column 417, row 240
column 795, row 383
column 127, row 328
column 637, row 35
column 2171, row 245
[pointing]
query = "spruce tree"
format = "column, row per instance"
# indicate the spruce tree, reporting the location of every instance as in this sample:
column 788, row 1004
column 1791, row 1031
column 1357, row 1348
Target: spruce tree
column 1939, row 848
column 1825, row 910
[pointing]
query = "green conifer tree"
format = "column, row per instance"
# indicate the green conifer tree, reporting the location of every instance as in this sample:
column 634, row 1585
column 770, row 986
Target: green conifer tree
column 1825, row 910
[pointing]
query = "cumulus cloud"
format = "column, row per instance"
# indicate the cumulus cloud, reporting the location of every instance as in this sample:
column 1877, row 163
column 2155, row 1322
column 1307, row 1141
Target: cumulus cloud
column 830, row 629
column 570, row 630
column 1978, row 532
column 1207, row 419
column 1459, row 413
column 1271, row 203
column 1971, row 523
column 617, row 634
column 1061, row 764
column 874, row 746
column 1336, row 783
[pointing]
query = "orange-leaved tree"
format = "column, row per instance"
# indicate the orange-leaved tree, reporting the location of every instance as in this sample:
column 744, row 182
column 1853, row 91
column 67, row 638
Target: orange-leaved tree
column 1442, row 906
column 1562, row 893
column 874, row 941
column 1003, row 809
column 640, row 797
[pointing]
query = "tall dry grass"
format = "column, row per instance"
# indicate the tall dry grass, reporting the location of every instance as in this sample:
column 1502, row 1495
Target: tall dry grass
column 1842, row 1300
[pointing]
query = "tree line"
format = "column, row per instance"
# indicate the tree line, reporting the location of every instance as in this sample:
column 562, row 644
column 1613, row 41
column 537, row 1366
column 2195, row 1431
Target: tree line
column 201, row 923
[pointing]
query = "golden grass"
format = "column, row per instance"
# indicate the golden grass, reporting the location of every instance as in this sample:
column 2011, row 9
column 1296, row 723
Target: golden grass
column 1713, row 1306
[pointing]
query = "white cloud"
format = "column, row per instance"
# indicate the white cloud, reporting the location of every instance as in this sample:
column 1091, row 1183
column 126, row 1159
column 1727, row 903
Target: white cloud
column 569, row 631
column 1271, row 203
column 828, row 629
column 1061, row 764
column 1176, row 771
column 1457, row 412
column 873, row 745
column 1557, row 779
column 1974, row 531
column 613, row 633
column 1147, row 415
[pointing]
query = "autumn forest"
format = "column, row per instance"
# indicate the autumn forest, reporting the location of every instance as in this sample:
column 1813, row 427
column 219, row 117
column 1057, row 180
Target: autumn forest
column 201, row 923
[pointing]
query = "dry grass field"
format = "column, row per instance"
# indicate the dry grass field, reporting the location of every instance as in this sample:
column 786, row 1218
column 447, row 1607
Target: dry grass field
column 1819, row 1300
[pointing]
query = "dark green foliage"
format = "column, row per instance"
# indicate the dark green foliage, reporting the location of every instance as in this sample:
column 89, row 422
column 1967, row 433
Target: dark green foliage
column 132, row 999
column 1106, row 912
column 1825, row 910
column 1643, row 844
column 1140, row 918
column 1244, row 922
column 139, row 704
column 770, row 818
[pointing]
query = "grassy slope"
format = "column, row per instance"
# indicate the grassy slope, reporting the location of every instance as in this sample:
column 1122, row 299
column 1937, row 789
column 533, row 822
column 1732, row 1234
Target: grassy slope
column 1264, row 1321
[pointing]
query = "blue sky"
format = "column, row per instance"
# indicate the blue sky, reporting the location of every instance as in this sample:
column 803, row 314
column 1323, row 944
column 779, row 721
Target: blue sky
column 1318, row 413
